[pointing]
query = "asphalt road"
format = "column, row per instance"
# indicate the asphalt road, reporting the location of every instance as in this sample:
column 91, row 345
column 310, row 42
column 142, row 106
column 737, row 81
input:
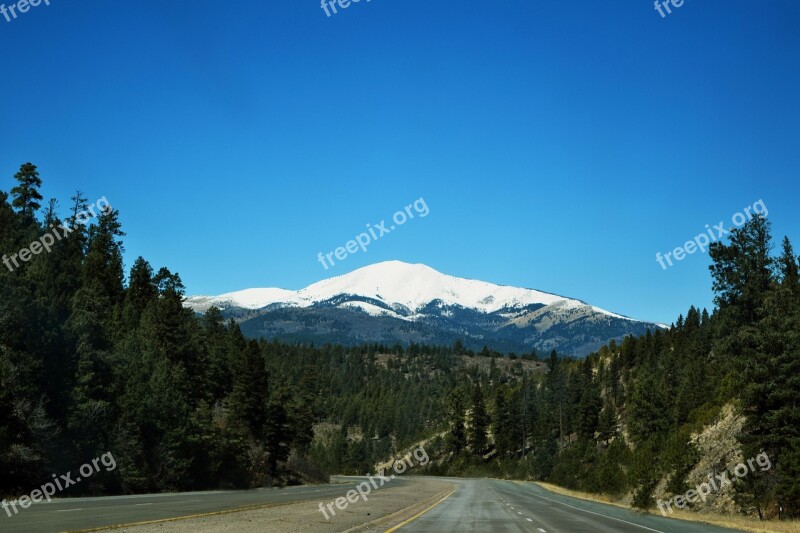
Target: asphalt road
column 487, row 505
column 479, row 505
column 87, row 513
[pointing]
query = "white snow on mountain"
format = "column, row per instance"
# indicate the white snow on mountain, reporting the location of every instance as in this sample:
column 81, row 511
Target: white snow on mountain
column 396, row 284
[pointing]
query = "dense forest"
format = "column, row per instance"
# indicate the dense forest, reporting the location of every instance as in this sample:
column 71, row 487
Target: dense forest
column 91, row 364
column 94, row 359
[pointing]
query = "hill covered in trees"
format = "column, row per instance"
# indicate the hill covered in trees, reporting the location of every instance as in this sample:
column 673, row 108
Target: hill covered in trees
column 94, row 359
column 91, row 364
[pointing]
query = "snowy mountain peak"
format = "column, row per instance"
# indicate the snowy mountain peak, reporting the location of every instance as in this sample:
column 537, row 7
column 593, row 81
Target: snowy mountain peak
column 393, row 302
column 395, row 283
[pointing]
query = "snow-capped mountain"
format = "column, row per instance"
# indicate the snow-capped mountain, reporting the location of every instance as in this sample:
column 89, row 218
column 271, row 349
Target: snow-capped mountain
column 399, row 302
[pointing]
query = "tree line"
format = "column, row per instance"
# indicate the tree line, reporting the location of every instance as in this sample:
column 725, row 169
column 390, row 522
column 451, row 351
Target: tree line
column 92, row 363
column 95, row 359
column 621, row 420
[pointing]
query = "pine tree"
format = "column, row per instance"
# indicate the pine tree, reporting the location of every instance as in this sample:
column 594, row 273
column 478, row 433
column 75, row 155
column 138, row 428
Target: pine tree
column 479, row 422
column 607, row 424
column 648, row 408
column 8, row 229
column 589, row 411
column 277, row 430
column 303, row 410
column 789, row 269
column 556, row 389
column 457, row 438
column 90, row 333
column 742, row 271
column 771, row 392
column 503, row 424
column 26, row 194
column 141, row 292
column 250, row 396
column 104, row 258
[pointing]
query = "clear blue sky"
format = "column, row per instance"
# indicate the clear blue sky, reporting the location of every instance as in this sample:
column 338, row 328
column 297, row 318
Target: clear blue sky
column 558, row 145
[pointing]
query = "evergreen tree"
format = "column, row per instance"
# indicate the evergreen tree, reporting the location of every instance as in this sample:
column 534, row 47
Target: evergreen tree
column 26, row 193
column 251, row 394
column 479, row 422
column 503, row 423
column 457, row 437
column 277, row 431
column 303, row 410
column 556, row 389
column 789, row 269
column 607, row 424
column 104, row 258
column 141, row 292
column 742, row 271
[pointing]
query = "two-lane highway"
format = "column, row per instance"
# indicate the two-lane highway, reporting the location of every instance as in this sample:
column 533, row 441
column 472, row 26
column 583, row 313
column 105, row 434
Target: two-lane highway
column 473, row 505
column 487, row 505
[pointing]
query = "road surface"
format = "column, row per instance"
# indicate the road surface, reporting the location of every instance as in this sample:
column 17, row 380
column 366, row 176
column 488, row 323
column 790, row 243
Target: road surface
column 471, row 505
column 484, row 505
column 76, row 514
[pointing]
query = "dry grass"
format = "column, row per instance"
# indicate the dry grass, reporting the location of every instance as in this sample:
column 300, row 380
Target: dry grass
column 734, row 522
column 602, row 498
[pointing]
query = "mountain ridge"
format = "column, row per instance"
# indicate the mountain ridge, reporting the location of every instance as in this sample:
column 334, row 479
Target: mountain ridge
column 427, row 306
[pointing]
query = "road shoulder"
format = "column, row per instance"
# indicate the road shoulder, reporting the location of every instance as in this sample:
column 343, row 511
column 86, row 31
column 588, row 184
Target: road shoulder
column 732, row 522
column 383, row 508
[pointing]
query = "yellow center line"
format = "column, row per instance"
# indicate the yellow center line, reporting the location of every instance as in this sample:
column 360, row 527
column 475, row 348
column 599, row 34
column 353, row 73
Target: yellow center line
column 401, row 524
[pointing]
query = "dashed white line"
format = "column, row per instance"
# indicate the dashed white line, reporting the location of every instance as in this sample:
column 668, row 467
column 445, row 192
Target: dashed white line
column 540, row 529
column 68, row 510
column 597, row 514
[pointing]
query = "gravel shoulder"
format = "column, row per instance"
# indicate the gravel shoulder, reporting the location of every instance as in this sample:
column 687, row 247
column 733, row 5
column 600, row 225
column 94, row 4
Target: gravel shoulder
column 386, row 506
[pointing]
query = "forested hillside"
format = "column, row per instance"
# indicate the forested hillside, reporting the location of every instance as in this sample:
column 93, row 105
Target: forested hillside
column 94, row 359
column 91, row 364
column 624, row 419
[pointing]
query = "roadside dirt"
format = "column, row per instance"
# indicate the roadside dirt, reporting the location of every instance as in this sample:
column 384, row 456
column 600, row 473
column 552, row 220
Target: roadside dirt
column 401, row 502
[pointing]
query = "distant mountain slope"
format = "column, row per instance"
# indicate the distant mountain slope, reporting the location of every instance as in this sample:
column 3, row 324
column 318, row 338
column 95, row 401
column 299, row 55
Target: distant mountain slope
column 399, row 302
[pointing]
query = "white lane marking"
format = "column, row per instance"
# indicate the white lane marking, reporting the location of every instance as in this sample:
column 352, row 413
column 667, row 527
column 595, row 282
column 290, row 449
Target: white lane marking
column 142, row 504
column 598, row 514
column 68, row 510
column 540, row 529
column 141, row 496
column 518, row 512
